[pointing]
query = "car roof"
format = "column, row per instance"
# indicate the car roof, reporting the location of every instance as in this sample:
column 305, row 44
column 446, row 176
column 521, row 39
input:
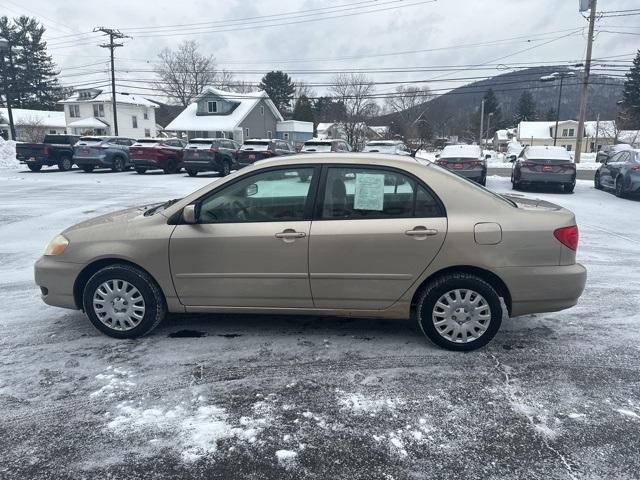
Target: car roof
column 461, row 151
column 348, row 158
column 550, row 152
column 384, row 142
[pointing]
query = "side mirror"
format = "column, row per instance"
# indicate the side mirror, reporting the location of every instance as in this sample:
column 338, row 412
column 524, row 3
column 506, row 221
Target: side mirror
column 512, row 158
column 437, row 155
column 487, row 156
column 189, row 214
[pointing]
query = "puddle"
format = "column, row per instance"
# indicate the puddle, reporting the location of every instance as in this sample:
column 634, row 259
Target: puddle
column 187, row 334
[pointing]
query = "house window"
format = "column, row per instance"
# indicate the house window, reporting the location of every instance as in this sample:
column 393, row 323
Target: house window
column 285, row 135
column 568, row 147
column 269, row 134
column 98, row 110
column 134, row 121
column 74, row 111
column 571, row 132
column 52, row 132
column 565, row 132
column 147, row 132
column 212, row 107
column 262, row 111
column 246, row 133
column 146, row 114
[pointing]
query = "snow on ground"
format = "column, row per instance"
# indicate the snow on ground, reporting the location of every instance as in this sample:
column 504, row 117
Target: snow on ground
column 239, row 396
column 8, row 154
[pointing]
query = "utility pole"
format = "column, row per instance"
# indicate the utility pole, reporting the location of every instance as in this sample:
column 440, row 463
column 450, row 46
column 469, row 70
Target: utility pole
column 113, row 35
column 595, row 145
column 585, row 81
column 481, row 121
column 6, row 46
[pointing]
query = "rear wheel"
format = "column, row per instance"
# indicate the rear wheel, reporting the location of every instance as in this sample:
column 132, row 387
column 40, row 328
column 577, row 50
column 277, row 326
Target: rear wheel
column 118, row 164
column 141, row 170
column 226, row 168
column 172, row 166
column 34, row 167
column 459, row 311
column 483, row 181
column 65, row 164
column 87, row 168
column 619, row 191
column 192, row 173
column 123, row 301
column 596, row 182
column 569, row 187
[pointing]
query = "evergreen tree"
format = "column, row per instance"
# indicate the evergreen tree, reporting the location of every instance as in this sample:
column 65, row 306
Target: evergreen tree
column 550, row 115
column 32, row 75
column 491, row 105
column 280, row 89
column 526, row 108
column 327, row 109
column 303, row 110
column 631, row 96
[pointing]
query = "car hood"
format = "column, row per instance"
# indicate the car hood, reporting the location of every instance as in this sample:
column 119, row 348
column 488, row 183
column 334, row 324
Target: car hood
column 526, row 203
column 119, row 216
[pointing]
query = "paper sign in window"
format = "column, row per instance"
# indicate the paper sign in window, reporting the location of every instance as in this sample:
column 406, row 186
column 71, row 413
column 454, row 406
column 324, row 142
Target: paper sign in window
column 369, row 193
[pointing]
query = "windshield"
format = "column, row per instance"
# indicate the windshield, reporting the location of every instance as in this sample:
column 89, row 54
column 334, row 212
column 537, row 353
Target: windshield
column 256, row 146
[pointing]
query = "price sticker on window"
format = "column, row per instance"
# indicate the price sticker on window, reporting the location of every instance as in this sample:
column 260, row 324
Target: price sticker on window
column 369, row 193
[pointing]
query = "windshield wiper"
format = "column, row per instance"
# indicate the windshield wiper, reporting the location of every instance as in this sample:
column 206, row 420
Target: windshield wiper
column 161, row 207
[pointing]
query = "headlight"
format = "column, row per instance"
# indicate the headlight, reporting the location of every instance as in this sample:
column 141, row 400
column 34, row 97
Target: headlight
column 56, row 246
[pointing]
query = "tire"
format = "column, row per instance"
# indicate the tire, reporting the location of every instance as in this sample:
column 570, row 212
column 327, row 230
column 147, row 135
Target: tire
column 65, row 164
column 569, row 187
column 172, row 167
column 34, row 167
column 118, row 164
column 153, row 301
column 140, row 170
column 483, row 181
column 596, row 182
column 192, row 173
column 619, row 188
column 87, row 168
column 433, row 293
column 226, row 168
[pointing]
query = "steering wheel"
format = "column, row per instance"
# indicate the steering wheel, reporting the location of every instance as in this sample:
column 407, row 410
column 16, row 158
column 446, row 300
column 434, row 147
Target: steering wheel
column 243, row 211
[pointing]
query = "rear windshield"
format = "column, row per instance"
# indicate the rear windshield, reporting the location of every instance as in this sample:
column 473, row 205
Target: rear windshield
column 379, row 144
column 460, row 159
column 317, row 147
column 254, row 145
column 201, row 142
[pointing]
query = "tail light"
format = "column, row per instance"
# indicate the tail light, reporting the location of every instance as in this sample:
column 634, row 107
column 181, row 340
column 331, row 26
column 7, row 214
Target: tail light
column 46, row 150
column 474, row 164
column 104, row 145
column 568, row 236
column 214, row 149
column 268, row 152
column 636, row 168
column 442, row 163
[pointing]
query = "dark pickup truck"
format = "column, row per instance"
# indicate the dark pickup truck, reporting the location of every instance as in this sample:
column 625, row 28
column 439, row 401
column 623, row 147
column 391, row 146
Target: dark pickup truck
column 55, row 150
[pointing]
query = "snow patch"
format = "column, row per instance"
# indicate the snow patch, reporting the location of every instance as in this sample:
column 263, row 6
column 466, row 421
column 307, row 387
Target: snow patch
column 359, row 403
column 286, row 458
column 627, row 413
column 8, row 154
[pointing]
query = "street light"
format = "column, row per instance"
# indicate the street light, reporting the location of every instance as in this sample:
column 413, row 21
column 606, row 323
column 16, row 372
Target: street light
column 5, row 46
column 552, row 78
column 488, row 127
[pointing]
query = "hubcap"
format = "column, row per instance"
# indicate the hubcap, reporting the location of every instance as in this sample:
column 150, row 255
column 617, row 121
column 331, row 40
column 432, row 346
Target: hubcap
column 461, row 315
column 119, row 305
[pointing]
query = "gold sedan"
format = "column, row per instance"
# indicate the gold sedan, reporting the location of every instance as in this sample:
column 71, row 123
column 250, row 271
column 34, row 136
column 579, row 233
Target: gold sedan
column 360, row 235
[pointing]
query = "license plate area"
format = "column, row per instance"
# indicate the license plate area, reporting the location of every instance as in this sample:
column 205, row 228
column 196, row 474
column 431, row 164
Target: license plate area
column 457, row 166
column 547, row 168
column 252, row 157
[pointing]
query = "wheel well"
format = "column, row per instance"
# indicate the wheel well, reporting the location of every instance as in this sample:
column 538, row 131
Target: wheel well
column 494, row 280
column 92, row 268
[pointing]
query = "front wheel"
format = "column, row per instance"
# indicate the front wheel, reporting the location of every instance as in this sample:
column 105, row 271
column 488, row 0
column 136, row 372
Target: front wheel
column 118, row 164
column 141, row 170
column 459, row 311
column 87, row 168
column 596, row 182
column 34, row 167
column 172, row 167
column 192, row 173
column 226, row 169
column 65, row 164
column 123, row 301
column 619, row 191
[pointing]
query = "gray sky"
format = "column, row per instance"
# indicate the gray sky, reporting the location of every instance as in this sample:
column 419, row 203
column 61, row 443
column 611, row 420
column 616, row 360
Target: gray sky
column 450, row 29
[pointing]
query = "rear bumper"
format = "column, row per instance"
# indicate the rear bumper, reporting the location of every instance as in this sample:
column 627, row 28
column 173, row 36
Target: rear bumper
column 56, row 280
column 543, row 289
column 148, row 163
column 477, row 174
column 201, row 165
column 102, row 161
column 547, row 177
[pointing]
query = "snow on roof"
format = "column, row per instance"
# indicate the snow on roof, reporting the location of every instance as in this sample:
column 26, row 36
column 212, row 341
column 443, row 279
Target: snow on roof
column 606, row 128
column 502, row 135
column 46, row 118
column 380, row 129
column 461, row 151
column 105, row 97
column 631, row 137
column 535, row 130
column 189, row 121
column 294, row 126
column 549, row 152
column 89, row 122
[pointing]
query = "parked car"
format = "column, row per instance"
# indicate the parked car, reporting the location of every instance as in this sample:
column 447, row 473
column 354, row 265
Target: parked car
column 544, row 166
column 426, row 244
column 611, row 150
column 210, row 154
column 465, row 160
column 620, row 173
column 103, row 152
column 323, row 146
column 157, row 154
column 55, row 150
column 394, row 147
column 258, row 149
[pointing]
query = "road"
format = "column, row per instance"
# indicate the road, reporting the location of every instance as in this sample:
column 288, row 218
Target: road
column 554, row 396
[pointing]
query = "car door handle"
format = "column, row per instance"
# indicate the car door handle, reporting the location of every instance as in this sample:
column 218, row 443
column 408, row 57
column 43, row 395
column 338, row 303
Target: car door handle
column 287, row 234
column 421, row 232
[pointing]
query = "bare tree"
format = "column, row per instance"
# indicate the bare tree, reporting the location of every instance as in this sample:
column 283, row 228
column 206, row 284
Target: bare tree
column 303, row 88
column 403, row 104
column 31, row 130
column 355, row 91
column 184, row 73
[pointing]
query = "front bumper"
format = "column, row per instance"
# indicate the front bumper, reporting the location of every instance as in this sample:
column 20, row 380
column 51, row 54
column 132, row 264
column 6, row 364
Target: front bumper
column 547, row 177
column 544, row 288
column 56, row 280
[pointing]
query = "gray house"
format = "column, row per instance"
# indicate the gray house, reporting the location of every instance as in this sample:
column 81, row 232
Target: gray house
column 220, row 114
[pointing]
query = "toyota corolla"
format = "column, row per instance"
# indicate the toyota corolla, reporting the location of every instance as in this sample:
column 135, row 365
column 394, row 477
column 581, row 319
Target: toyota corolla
column 360, row 235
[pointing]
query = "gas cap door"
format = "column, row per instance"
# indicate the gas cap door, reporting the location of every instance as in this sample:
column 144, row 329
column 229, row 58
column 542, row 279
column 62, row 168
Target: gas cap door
column 487, row 233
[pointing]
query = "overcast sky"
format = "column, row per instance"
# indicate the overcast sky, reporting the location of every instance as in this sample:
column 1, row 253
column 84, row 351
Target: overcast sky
column 454, row 33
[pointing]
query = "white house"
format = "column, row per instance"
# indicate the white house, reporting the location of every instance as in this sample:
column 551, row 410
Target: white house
column 295, row 131
column 91, row 111
column 596, row 134
column 220, row 114
column 30, row 124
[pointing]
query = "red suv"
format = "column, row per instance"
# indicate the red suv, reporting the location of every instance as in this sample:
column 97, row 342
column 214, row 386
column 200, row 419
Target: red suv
column 157, row 154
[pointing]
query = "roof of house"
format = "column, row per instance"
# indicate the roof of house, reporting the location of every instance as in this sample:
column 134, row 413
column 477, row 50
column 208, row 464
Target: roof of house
column 535, row 130
column 380, row 129
column 89, row 122
column 188, row 120
column 105, row 97
column 502, row 135
column 461, row 151
column 46, row 118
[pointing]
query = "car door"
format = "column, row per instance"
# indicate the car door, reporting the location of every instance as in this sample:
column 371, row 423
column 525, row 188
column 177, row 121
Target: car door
column 609, row 169
column 250, row 245
column 375, row 230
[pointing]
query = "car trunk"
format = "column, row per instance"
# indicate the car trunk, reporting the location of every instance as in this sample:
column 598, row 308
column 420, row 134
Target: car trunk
column 253, row 151
column 548, row 165
column 199, row 151
column 144, row 149
column 460, row 163
column 90, row 147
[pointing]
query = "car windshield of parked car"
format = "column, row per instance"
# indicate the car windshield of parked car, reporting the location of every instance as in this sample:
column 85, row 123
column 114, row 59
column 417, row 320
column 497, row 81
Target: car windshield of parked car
column 317, row 147
column 257, row 146
column 271, row 196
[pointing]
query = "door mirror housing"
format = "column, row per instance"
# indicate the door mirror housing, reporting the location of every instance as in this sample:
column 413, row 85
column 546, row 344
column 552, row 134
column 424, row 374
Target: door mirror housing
column 512, row 158
column 189, row 214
